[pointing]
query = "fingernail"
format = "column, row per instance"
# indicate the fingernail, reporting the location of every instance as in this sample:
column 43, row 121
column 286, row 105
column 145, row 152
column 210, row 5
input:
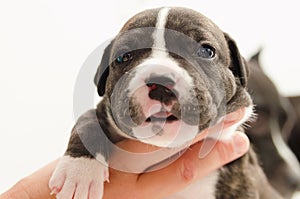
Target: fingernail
column 241, row 143
column 207, row 147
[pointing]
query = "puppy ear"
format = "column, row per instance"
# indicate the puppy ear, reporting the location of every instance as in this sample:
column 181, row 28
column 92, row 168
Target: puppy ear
column 255, row 59
column 103, row 70
column 238, row 64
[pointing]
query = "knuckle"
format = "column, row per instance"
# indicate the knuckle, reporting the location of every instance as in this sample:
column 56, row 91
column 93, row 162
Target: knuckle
column 188, row 172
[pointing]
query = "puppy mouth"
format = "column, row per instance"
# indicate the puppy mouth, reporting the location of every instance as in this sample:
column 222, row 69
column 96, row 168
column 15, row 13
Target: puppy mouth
column 164, row 127
column 162, row 116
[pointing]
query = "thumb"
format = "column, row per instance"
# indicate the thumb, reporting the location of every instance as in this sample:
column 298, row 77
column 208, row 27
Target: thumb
column 190, row 167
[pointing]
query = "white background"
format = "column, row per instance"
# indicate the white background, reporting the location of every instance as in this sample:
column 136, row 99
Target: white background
column 43, row 44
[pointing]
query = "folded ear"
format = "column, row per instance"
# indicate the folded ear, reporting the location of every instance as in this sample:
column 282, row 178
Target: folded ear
column 238, row 64
column 103, row 70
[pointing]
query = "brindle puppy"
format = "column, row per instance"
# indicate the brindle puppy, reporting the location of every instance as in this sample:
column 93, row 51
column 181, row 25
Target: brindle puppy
column 168, row 74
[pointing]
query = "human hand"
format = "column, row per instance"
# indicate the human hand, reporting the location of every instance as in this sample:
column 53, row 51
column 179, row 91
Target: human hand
column 173, row 178
column 177, row 176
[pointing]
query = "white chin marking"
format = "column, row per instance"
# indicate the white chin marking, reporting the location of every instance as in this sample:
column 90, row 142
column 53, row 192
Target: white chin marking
column 166, row 134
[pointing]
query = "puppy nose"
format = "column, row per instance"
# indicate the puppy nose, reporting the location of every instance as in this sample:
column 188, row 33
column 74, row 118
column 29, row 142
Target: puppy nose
column 161, row 88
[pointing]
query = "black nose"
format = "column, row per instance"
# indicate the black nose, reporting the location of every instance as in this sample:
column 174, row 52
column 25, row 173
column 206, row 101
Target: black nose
column 161, row 88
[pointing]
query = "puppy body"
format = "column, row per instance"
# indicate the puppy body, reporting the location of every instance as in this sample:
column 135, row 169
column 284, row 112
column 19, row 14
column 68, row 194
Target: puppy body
column 276, row 118
column 168, row 75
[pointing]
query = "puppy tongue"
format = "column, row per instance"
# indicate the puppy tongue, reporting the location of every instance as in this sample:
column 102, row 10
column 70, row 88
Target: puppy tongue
column 162, row 114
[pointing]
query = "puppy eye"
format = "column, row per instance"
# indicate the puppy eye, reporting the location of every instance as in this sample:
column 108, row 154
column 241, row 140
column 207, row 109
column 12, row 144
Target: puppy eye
column 206, row 51
column 124, row 58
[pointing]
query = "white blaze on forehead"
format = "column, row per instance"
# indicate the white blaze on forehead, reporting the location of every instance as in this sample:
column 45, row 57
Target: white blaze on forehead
column 158, row 34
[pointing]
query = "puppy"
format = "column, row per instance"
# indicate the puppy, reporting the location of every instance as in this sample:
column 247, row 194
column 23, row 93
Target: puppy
column 276, row 118
column 169, row 74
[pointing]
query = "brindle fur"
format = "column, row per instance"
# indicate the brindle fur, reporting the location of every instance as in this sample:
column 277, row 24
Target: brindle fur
column 241, row 179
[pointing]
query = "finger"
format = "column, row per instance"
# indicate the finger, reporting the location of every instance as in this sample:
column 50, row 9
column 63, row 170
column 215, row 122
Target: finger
column 189, row 168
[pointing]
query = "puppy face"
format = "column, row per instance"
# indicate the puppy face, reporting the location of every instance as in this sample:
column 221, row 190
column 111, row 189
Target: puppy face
column 169, row 74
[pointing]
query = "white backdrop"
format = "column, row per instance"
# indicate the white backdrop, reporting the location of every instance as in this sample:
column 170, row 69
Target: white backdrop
column 43, row 44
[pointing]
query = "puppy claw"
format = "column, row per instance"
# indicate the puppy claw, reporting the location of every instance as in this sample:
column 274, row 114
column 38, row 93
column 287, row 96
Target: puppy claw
column 106, row 175
column 54, row 191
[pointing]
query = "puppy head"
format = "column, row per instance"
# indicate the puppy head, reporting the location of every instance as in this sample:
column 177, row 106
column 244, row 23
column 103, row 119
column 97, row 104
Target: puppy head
column 169, row 74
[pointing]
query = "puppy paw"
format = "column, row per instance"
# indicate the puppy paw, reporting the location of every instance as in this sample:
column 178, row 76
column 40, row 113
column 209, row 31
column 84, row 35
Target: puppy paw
column 79, row 178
